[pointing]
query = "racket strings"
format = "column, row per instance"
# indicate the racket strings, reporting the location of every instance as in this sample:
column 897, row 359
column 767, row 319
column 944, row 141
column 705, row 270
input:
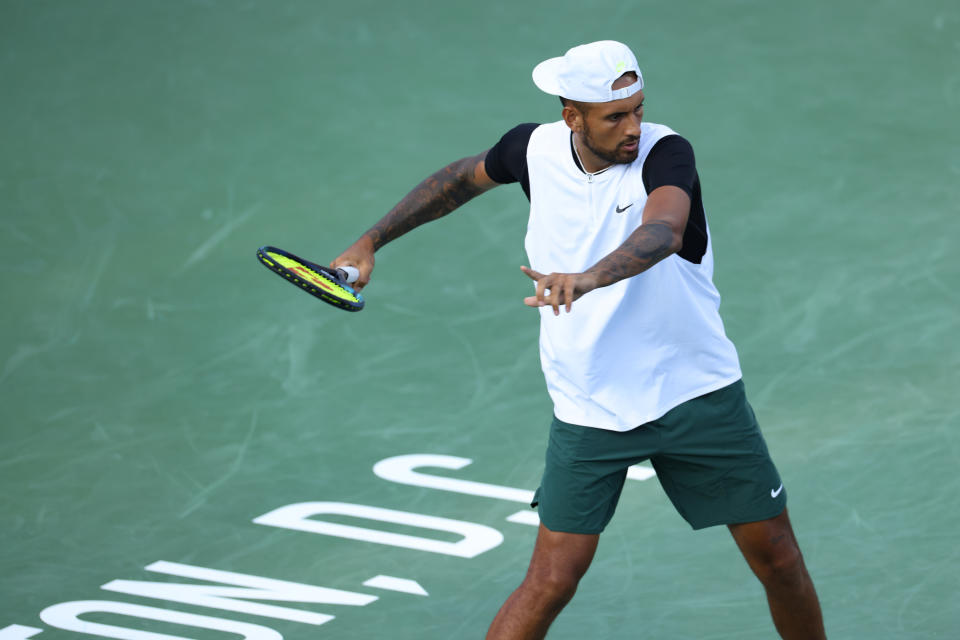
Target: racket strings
column 326, row 283
column 318, row 281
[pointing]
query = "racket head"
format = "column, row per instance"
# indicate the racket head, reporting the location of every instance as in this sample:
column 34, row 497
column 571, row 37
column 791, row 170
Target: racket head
column 320, row 282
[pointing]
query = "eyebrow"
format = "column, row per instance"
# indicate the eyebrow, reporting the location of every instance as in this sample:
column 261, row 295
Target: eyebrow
column 620, row 113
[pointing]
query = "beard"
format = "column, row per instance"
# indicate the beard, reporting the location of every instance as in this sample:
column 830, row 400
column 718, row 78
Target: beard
column 614, row 156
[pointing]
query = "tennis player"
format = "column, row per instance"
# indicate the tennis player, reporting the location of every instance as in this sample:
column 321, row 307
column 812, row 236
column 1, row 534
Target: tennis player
column 639, row 368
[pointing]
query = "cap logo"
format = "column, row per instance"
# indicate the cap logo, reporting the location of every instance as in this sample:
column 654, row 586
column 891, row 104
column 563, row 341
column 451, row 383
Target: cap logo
column 621, row 66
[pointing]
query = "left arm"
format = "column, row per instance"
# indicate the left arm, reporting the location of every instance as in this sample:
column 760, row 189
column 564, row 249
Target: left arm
column 659, row 235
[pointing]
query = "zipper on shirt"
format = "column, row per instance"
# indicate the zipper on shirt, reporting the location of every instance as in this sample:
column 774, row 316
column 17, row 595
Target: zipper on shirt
column 591, row 204
column 595, row 216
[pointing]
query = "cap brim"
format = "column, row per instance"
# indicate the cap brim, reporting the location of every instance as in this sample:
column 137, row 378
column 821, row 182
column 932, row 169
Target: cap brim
column 546, row 73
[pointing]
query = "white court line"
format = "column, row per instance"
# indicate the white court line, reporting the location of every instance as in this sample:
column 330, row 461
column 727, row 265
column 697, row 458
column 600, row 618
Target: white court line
column 402, row 585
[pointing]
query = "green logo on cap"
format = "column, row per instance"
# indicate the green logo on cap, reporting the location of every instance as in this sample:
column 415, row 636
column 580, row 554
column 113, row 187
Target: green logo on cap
column 621, row 66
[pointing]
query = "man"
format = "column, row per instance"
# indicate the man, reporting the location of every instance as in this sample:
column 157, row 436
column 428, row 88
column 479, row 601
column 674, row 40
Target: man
column 641, row 368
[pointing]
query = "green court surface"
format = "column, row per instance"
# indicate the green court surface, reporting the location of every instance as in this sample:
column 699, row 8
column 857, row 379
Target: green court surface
column 161, row 390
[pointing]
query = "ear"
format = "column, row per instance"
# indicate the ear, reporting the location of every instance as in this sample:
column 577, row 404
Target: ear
column 573, row 118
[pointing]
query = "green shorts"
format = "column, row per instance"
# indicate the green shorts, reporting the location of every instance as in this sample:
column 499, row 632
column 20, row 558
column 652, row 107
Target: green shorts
column 708, row 453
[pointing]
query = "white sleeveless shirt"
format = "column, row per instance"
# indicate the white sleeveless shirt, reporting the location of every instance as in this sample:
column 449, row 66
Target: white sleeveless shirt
column 627, row 353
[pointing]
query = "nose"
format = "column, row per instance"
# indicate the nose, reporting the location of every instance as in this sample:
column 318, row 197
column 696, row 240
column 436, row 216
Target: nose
column 633, row 124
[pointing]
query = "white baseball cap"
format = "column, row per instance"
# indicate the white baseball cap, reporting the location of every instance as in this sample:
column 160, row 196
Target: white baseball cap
column 585, row 73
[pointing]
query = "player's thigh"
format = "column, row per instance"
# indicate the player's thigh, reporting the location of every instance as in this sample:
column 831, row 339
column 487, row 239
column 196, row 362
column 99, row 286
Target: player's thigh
column 715, row 466
column 584, row 474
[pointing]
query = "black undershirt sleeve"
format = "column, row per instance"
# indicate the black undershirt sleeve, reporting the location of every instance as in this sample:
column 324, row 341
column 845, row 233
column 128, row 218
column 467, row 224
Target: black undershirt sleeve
column 506, row 161
column 671, row 163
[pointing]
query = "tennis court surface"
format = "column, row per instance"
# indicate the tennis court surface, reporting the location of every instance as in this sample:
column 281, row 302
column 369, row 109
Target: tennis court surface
column 173, row 414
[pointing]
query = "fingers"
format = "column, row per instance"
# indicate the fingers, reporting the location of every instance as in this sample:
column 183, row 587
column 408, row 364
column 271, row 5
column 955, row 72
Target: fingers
column 360, row 256
column 546, row 288
column 554, row 290
column 568, row 289
column 541, row 294
column 363, row 280
column 544, row 293
column 553, row 297
column 533, row 275
column 364, row 270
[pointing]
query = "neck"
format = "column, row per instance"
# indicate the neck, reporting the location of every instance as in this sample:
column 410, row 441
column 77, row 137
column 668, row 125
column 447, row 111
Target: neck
column 588, row 160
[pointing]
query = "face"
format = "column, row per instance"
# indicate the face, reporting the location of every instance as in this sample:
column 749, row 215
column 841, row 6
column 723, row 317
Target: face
column 611, row 130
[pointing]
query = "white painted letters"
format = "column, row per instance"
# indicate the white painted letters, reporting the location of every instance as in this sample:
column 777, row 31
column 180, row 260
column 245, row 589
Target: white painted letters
column 249, row 587
column 18, row 632
column 640, row 472
column 401, row 469
column 65, row 616
column 477, row 538
column 391, row 583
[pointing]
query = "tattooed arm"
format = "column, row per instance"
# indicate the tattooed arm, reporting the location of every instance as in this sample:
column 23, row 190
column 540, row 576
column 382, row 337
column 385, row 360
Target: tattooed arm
column 433, row 198
column 661, row 234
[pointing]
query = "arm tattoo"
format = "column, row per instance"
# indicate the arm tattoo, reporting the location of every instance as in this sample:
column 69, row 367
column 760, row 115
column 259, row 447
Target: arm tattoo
column 433, row 198
column 647, row 245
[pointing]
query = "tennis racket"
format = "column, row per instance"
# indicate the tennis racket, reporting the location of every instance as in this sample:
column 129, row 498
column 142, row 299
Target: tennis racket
column 330, row 285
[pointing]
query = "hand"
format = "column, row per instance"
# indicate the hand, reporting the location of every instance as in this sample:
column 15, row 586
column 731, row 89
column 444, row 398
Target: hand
column 359, row 255
column 558, row 288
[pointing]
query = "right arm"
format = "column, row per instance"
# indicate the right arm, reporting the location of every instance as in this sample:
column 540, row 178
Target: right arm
column 435, row 197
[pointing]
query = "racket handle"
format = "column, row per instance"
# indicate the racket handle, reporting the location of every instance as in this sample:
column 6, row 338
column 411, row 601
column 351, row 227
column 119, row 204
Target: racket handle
column 348, row 274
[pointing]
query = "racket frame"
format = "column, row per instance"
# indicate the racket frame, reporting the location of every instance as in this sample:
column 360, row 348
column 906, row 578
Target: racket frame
column 309, row 287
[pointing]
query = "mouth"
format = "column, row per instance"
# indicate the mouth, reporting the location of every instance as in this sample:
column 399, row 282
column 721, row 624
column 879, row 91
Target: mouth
column 630, row 146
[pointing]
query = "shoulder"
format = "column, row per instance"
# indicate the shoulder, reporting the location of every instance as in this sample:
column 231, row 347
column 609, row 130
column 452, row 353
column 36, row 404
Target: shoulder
column 506, row 161
column 658, row 135
column 657, row 130
column 671, row 162
column 519, row 134
column 663, row 142
column 673, row 145
column 532, row 132
column 516, row 139
column 548, row 138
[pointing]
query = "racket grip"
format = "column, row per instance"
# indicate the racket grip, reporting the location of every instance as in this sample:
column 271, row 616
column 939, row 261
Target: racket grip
column 348, row 274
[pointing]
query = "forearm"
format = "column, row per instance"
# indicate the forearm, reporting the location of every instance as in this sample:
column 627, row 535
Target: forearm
column 647, row 245
column 435, row 197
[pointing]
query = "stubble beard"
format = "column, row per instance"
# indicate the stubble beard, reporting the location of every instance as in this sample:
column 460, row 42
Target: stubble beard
column 617, row 156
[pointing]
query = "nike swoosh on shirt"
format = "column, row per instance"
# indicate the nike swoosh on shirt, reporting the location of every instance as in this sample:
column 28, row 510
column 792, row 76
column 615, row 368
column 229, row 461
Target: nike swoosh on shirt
column 619, row 210
column 775, row 493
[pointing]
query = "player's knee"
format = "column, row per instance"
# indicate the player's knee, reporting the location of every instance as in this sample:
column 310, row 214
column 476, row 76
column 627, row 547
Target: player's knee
column 783, row 565
column 553, row 587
